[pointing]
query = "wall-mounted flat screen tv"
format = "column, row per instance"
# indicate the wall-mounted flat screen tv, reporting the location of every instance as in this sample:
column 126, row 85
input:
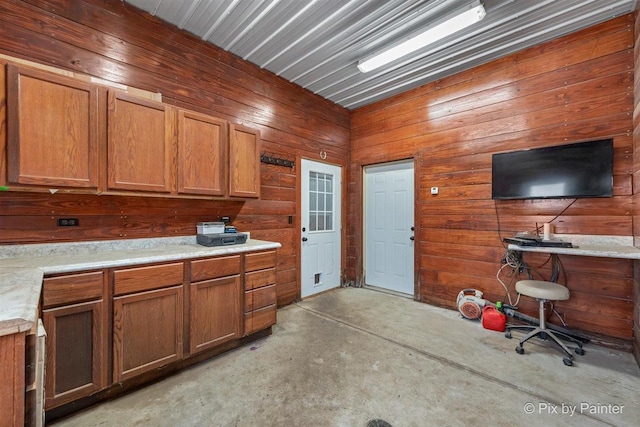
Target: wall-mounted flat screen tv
column 583, row 169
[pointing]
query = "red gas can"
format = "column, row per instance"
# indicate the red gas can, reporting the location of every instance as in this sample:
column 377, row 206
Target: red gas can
column 493, row 319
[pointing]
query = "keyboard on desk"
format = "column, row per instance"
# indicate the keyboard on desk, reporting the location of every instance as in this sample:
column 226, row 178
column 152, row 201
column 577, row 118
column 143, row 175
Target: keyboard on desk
column 537, row 243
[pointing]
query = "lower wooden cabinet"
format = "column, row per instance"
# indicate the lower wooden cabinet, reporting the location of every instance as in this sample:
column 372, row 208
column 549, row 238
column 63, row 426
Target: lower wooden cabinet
column 215, row 312
column 12, row 385
column 260, row 291
column 147, row 331
column 76, row 337
column 160, row 314
column 75, row 355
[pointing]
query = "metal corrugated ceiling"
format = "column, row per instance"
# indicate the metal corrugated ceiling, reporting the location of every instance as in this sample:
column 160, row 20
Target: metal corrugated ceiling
column 317, row 43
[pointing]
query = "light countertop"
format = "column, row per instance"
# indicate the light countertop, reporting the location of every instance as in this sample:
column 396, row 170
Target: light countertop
column 585, row 245
column 19, row 297
column 22, row 267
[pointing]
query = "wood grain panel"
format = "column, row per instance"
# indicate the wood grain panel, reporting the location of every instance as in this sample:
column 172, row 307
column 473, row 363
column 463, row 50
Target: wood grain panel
column 72, row 288
column 202, row 147
column 260, row 319
column 575, row 88
column 12, row 397
column 147, row 331
column 119, row 43
column 259, row 298
column 636, row 191
column 212, row 268
column 63, row 148
column 260, row 260
column 76, row 351
column 257, row 279
column 244, row 158
column 140, row 279
column 216, row 312
column 140, row 148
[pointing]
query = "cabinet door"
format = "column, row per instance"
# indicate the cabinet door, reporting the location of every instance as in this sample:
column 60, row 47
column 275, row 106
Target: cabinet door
column 244, row 162
column 147, row 331
column 216, row 312
column 76, row 362
column 202, row 143
column 12, row 383
column 140, row 146
column 52, row 130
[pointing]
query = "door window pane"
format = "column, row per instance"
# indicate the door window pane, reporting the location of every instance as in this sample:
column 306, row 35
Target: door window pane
column 320, row 201
column 313, row 201
column 312, row 222
column 313, row 181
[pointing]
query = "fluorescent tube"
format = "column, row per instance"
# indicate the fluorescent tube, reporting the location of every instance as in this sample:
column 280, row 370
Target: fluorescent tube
column 470, row 15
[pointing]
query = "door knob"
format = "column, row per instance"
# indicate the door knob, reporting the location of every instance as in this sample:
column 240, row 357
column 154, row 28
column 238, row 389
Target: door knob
column 304, row 239
column 412, row 238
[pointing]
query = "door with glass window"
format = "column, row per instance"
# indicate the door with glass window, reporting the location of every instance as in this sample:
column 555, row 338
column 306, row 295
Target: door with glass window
column 320, row 227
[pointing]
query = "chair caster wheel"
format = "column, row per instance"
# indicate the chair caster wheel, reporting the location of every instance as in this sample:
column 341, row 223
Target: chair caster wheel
column 519, row 350
column 507, row 334
column 567, row 361
column 579, row 351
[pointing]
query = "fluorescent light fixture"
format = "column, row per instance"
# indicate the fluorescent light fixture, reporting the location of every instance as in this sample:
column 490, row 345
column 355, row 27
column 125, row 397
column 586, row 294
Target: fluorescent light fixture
column 465, row 17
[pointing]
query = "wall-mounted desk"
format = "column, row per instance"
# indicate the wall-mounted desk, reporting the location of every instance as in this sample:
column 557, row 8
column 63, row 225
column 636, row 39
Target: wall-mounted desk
column 585, row 245
column 615, row 247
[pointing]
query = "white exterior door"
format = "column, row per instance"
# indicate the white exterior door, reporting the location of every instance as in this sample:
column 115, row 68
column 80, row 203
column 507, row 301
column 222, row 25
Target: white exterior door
column 388, row 223
column 321, row 225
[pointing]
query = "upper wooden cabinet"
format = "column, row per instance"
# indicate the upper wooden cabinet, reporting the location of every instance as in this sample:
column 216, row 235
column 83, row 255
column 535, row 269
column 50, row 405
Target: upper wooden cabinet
column 244, row 162
column 70, row 134
column 52, row 130
column 139, row 144
column 202, row 151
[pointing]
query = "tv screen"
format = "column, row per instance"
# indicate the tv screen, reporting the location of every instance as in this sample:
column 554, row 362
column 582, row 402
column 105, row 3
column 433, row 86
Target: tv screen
column 583, row 169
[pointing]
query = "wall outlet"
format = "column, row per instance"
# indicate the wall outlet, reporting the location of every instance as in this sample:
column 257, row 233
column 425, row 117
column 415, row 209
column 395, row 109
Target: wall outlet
column 68, row 222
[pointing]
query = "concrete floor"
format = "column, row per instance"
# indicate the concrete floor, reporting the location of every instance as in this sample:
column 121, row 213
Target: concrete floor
column 349, row 356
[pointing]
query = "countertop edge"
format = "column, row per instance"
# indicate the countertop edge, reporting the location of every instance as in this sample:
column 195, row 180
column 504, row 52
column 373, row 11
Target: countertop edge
column 180, row 254
column 21, row 277
column 19, row 299
column 604, row 251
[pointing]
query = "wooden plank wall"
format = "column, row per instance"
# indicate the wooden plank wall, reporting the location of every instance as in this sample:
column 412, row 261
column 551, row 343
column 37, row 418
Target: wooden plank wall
column 636, row 188
column 574, row 88
column 118, row 43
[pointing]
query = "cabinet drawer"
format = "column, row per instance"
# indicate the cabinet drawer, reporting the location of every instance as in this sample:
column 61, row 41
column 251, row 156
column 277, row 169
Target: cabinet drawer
column 259, row 261
column 205, row 269
column 259, row 298
column 259, row 319
column 146, row 278
column 72, row 288
column 259, row 279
